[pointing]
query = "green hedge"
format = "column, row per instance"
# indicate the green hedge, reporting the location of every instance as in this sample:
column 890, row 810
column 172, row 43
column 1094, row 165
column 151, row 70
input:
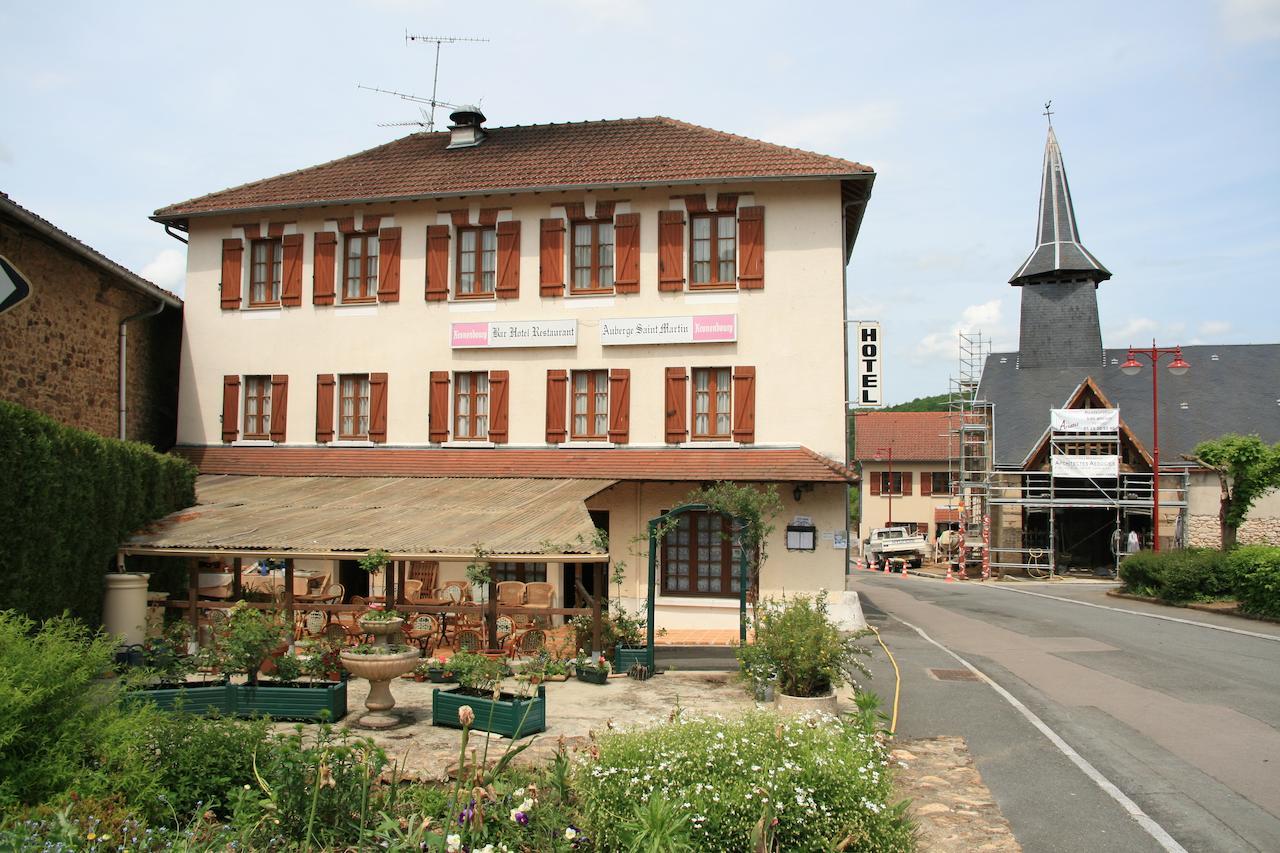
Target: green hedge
column 68, row 498
column 1251, row 575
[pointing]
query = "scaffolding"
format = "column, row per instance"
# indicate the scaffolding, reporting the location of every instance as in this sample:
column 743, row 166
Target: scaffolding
column 969, row 451
column 1073, row 480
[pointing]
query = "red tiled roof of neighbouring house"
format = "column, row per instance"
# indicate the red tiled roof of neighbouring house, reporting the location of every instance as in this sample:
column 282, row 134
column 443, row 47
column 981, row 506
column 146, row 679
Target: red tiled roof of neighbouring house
column 748, row 464
column 914, row 436
column 622, row 152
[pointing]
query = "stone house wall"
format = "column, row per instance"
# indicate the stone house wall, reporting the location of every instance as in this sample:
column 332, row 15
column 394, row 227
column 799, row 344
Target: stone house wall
column 59, row 349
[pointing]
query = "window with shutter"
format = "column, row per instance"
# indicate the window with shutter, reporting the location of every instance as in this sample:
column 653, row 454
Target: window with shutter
column 324, row 408
column 322, row 267
column 257, row 407
column 499, row 382
column 619, row 405
column 360, row 277
column 626, row 235
column 291, row 276
column 378, row 407
column 438, row 406
column 590, row 405
column 713, row 250
column 232, row 254
column 670, row 250
column 437, row 263
column 477, row 263
column 557, row 382
column 712, row 403
column 551, row 257
column 508, row 260
column 230, row 408
column 592, row 256
column 751, row 248
column 353, row 406
column 470, row 406
column 266, row 262
column 744, row 404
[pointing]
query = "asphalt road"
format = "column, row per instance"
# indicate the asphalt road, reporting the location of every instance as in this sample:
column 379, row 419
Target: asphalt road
column 1183, row 719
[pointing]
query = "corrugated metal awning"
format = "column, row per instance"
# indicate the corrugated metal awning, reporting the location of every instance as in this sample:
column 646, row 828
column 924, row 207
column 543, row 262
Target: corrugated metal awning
column 417, row 518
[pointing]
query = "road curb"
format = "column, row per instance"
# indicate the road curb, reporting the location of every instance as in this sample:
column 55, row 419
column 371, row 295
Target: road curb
column 1191, row 605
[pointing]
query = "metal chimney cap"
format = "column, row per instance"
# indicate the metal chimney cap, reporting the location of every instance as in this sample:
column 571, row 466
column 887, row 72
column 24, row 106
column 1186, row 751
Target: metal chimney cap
column 467, row 116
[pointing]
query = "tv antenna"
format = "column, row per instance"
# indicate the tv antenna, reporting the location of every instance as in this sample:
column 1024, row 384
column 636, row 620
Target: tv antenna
column 435, row 78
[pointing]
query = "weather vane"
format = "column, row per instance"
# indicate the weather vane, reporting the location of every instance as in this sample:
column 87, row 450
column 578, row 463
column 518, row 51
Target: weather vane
column 1048, row 113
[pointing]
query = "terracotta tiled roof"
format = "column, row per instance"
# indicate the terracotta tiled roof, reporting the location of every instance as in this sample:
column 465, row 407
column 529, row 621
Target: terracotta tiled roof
column 622, row 152
column 750, row 464
column 914, row 436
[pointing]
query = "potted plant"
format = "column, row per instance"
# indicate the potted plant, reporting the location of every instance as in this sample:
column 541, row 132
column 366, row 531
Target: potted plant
column 622, row 633
column 247, row 637
column 380, row 622
column 436, row 670
column 289, row 697
column 798, row 640
column 479, row 576
column 592, row 671
column 511, row 714
column 166, row 675
column 375, row 561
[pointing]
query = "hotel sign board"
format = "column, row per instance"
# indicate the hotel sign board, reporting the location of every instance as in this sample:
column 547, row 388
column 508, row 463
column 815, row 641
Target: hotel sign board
column 1086, row 467
column 702, row 329
column 1084, row 420
column 868, row 393
column 515, row 333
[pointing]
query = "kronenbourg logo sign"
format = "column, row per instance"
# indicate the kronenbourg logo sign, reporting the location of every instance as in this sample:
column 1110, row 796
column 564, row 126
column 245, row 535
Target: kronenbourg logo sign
column 867, row 390
column 14, row 286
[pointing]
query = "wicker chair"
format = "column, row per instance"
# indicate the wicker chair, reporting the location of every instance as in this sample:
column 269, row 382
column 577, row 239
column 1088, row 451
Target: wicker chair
column 511, row 594
column 412, row 591
column 424, row 632
column 427, row 571
column 456, row 591
column 540, row 594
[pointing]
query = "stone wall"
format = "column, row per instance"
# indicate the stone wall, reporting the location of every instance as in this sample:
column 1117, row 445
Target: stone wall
column 59, row 349
column 1203, row 531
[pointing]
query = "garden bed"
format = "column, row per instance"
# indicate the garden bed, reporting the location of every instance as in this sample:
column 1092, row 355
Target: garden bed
column 288, row 701
column 510, row 716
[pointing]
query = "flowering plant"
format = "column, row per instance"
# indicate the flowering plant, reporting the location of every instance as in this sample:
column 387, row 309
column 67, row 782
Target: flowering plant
column 379, row 613
column 374, row 649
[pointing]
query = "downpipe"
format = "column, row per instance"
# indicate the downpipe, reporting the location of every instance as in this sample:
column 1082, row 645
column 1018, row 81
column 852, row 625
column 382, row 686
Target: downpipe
column 124, row 342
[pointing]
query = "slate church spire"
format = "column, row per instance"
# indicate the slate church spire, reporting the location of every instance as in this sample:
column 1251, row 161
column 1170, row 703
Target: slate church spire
column 1059, row 281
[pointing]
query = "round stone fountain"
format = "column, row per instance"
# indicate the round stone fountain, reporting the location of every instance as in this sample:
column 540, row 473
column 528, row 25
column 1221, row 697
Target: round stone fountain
column 380, row 666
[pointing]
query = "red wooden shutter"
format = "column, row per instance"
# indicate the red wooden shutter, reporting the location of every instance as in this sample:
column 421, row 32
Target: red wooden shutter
column 677, row 405
column 291, row 277
column 744, row 404
column 232, row 253
column 751, row 248
column 279, row 406
column 670, row 250
column 619, row 405
column 551, row 258
column 324, row 408
column 322, row 268
column 907, row 477
column 230, row 408
column 438, row 406
column 926, row 483
column 498, row 396
column 438, row 266
column 378, row 407
column 557, row 400
column 876, row 481
column 626, row 247
column 389, row 265
column 508, row 286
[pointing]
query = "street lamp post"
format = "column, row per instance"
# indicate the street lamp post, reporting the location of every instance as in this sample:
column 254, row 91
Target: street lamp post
column 1177, row 367
column 889, row 451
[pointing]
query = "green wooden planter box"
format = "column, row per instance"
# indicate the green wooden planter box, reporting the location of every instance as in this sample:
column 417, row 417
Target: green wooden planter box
column 593, row 676
column 440, row 676
column 501, row 717
column 193, row 698
column 624, row 657
column 325, row 701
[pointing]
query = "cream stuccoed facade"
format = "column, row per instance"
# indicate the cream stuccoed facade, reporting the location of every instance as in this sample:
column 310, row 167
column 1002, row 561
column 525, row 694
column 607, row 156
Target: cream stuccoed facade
column 791, row 332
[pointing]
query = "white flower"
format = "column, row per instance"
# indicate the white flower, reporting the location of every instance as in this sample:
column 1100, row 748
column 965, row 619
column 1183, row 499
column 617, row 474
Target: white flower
column 488, row 848
column 526, row 806
column 570, row 833
column 454, row 843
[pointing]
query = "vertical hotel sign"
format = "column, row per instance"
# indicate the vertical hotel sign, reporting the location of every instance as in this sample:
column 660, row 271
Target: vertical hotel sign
column 867, row 390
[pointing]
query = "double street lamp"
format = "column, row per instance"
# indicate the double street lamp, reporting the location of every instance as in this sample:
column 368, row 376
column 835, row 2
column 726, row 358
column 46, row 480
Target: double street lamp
column 1131, row 368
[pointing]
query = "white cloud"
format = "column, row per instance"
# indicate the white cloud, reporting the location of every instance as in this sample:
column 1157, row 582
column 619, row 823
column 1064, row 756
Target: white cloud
column 1138, row 326
column 1215, row 327
column 985, row 317
column 1251, row 20
column 833, row 130
column 168, row 269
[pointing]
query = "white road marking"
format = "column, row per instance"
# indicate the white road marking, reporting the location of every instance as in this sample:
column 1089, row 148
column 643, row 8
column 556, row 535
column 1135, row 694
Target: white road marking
column 1155, row 830
column 1273, row 637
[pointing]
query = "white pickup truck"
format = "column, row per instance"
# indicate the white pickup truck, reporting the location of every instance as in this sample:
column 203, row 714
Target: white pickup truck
column 897, row 543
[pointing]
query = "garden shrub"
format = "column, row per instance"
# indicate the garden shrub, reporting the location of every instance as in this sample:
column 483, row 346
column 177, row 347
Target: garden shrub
column 1257, row 573
column 826, row 783
column 69, row 498
column 1179, row 576
column 54, row 707
column 796, row 640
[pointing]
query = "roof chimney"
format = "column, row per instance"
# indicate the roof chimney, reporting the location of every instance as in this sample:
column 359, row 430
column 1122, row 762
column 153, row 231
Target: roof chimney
column 466, row 130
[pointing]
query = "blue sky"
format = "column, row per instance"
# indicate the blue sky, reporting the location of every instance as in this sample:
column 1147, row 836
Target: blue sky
column 1168, row 115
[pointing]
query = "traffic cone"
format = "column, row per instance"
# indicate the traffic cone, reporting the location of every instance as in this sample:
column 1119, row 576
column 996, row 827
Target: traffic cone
column 871, row 566
column 887, row 562
column 949, row 578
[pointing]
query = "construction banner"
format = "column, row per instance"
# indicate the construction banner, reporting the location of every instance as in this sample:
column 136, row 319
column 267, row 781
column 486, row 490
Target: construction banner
column 1084, row 420
column 1089, row 467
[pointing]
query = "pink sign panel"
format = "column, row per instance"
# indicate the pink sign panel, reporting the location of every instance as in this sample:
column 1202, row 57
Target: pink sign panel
column 715, row 327
column 470, row 334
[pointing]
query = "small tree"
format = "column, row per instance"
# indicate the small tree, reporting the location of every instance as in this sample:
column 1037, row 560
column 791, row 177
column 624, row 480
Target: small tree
column 1247, row 468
